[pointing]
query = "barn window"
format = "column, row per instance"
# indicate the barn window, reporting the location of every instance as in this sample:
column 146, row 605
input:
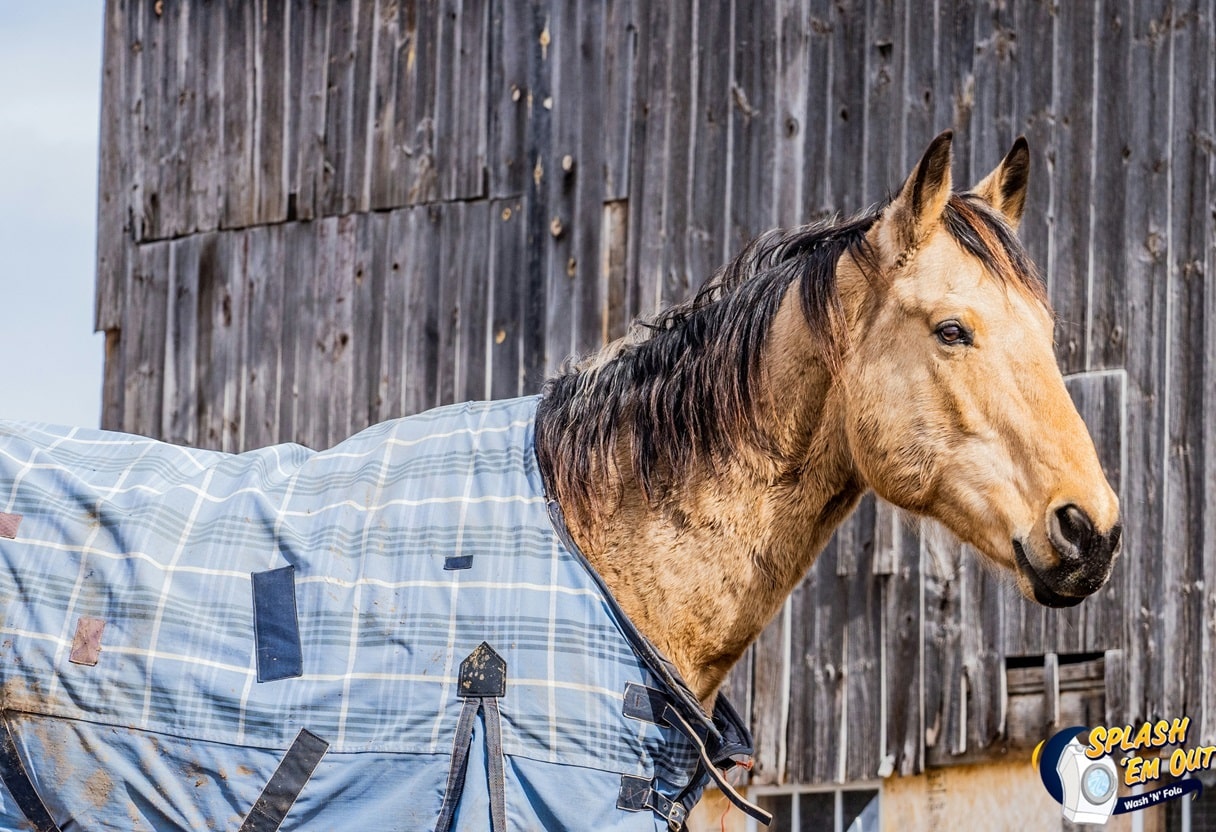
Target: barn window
column 852, row 808
column 1185, row 815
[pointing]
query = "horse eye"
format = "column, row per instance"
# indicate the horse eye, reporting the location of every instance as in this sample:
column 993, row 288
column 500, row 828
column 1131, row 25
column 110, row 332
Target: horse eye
column 952, row 332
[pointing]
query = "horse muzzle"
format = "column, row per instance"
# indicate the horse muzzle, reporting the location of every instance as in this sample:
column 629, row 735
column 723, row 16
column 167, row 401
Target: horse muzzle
column 1084, row 558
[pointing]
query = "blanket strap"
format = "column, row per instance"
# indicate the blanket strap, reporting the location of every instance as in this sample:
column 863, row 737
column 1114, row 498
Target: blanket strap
column 483, row 680
column 285, row 785
column 637, row 794
column 650, row 705
column 15, row 777
column 673, row 718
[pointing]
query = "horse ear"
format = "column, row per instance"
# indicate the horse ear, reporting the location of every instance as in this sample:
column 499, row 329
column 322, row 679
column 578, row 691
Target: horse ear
column 1005, row 188
column 923, row 196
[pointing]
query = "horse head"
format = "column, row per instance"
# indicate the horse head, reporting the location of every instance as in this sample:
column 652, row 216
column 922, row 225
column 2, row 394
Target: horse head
column 955, row 405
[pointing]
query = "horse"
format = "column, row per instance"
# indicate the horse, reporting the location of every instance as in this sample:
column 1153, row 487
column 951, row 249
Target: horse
column 457, row 619
column 704, row 460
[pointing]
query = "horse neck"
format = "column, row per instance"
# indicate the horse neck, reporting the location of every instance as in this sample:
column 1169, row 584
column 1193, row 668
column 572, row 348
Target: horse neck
column 706, row 567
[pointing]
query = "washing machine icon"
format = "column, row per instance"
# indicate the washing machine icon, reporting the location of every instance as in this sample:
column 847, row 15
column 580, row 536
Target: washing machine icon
column 1090, row 786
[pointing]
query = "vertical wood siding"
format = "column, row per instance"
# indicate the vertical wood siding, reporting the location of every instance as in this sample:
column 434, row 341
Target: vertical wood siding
column 318, row 215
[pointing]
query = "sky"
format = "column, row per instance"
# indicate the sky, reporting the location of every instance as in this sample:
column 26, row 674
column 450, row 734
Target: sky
column 50, row 82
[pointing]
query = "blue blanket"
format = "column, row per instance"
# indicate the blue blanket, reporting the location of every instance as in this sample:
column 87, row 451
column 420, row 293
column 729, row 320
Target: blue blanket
column 148, row 681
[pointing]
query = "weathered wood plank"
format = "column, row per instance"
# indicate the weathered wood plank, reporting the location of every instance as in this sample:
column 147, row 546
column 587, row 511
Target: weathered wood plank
column 753, row 128
column 206, row 143
column 272, row 26
column 113, row 381
column 994, row 69
column 647, row 175
column 944, row 702
column 614, row 265
column 507, row 266
column 1147, row 230
column 331, row 380
column 1072, row 145
column 675, row 280
column 414, row 126
column 299, row 307
column 863, row 663
column 1106, row 339
column 589, row 168
column 790, row 95
column 264, row 336
column 445, row 283
column 461, row 98
column 334, row 197
column 619, row 61
column 920, row 89
column 708, row 239
column 1033, row 118
column 508, row 98
column 955, row 100
column 882, row 165
column 144, row 345
column 307, row 106
column 177, row 129
column 1185, row 494
column 113, row 175
column 1206, row 133
column 146, row 108
column 771, row 697
column 818, row 670
column 237, row 138
column 221, row 275
column 386, row 162
column 426, row 227
column 371, row 268
column 564, row 105
column 845, row 106
column 1100, row 399
column 472, row 271
column 537, row 37
column 982, row 660
column 182, row 359
column 902, row 634
column 394, row 317
column 359, row 159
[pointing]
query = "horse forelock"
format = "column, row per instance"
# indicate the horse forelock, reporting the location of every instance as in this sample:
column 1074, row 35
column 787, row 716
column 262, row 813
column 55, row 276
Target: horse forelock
column 680, row 387
column 983, row 233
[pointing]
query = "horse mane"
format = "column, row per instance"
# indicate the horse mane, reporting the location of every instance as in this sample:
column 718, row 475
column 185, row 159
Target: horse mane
column 679, row 387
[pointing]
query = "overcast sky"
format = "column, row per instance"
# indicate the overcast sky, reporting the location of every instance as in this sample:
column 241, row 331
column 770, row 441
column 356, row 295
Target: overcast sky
column 50, row 70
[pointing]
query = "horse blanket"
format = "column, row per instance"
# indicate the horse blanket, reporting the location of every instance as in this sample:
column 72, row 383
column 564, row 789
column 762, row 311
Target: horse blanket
column 394, row 634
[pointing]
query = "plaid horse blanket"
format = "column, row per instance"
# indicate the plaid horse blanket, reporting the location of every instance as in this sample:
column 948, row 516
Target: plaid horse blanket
column 397, row 634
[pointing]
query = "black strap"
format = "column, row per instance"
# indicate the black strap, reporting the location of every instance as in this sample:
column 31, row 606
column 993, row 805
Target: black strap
column 483, row 679
column 17, row 780
column 638, row 794
column 494, row 766
column 672, row 717
column 285, row 785
column 460, row 763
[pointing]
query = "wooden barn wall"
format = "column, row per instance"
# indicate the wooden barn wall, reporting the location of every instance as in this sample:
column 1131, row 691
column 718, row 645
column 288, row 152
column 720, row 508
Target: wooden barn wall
column 317, row 215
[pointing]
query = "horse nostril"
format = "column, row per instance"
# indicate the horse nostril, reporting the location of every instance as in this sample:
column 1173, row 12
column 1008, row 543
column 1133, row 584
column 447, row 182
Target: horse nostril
column 1075, row 526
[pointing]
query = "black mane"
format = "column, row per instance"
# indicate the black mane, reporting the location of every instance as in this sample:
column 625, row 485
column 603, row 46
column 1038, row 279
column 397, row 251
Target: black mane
column 679, row 388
